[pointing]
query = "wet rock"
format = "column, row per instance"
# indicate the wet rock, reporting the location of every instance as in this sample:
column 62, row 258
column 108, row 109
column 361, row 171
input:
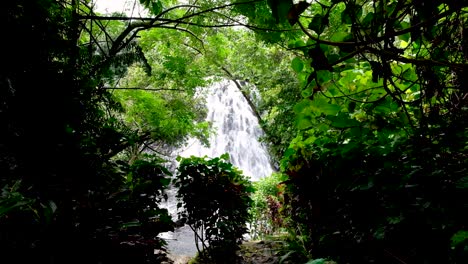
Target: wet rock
column 179, row 259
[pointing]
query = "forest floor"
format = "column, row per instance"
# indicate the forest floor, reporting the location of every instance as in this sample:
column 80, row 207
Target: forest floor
column 251, row 252
column 262, row 252
column 257, row 252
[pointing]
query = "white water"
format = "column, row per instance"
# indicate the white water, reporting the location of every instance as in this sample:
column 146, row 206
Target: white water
column 237, row 133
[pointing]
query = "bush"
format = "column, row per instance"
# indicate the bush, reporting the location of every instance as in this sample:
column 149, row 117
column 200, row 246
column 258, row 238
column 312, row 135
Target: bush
column 215, row 200
column 267, row 204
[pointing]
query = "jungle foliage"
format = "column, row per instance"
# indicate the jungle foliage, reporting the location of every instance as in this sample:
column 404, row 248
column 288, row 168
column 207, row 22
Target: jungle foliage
column 266, row 218
column 363, row 104
column 71, row 191
column 377, row 168
column 215, row 201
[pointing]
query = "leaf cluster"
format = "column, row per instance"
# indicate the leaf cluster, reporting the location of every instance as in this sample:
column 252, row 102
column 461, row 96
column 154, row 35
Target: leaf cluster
column 215, row 198
column 64, row 187
column 372, row 167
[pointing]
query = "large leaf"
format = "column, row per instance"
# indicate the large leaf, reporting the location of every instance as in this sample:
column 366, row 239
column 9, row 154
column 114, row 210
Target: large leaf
column 459, row 237
column 295, row 11
column 321, row 105
column 280, row 9
column 297, row 64
column 343, row 121
column 319, row 23
column 304, row 123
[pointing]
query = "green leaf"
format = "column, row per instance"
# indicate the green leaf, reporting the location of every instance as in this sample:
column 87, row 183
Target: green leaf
column 459, row 237
column 316, row 261
column 297, row 64
column 296, row 10
column 330, row 109
column 321, row 105
column 156, row 7
column 324, row 76
column 405, row 37
column 343, row 121
column 352, row 11
column 280, row 9
column 165, row 181
column 5, row 209
column 366, row 22
column 333, row 58
column 304, row 123
column 307, row 92
column 224, row 156
column 286, row 256
column 319, row 23
column 135, row 223
column 340, row 36
column 346, row 18
column 302, row 106
column 289, row 152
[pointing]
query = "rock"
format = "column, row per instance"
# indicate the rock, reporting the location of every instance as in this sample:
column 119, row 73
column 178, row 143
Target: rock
column 259, row 252
column 179, row 259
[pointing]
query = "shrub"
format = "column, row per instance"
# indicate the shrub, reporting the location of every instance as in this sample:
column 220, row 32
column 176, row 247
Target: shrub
column 215, row 199
column 267, row 204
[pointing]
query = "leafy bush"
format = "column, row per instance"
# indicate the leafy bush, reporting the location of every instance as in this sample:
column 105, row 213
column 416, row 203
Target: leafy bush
column 404, row 201
column 267, row 204
column 128, row 217
column 215, row 197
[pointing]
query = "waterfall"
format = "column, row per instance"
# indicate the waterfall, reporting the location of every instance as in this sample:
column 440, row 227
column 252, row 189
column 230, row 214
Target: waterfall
column 237, row 133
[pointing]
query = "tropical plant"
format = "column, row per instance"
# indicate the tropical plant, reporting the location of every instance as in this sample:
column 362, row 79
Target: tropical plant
column 266, row 207
column 372, row 173
column 215, row 198
column 64, row 188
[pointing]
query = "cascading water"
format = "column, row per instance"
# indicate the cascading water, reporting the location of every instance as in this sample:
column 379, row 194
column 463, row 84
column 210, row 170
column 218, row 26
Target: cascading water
column 237, row 133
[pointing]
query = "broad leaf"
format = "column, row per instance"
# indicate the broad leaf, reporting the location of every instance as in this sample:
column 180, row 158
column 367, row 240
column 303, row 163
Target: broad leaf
column 297, row 64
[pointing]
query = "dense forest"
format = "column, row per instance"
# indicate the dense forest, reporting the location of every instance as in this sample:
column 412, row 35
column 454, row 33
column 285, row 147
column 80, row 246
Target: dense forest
column 361, row 102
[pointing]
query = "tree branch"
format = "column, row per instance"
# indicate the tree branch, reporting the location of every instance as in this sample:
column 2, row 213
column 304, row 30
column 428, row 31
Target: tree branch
column 144, row 89
column 394, row 56
column 379, row 39
column 246, row 96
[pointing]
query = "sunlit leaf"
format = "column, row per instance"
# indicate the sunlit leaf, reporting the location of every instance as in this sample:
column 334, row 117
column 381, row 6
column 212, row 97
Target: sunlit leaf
column 459, row 237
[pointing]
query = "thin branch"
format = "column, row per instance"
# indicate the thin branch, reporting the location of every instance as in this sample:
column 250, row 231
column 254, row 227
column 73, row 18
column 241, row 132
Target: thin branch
column 144, row 89
column 168, row 21
column 244, row 94
column 121, row 18
column 147, row 145
column 379, row 39
column 197, row 50
column 352, row 99
column 184, row 30
column 356, row 93
column 349, row 56
column 95, row 40
column 397, row 57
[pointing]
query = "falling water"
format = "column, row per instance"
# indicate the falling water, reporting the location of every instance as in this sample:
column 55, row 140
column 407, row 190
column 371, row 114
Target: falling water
column 237, row 133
